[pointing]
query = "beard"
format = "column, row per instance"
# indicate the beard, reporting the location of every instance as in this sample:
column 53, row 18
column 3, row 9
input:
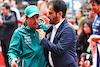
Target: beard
column 54, row 20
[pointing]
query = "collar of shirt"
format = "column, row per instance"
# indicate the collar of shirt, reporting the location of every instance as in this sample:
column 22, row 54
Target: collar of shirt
column 6, row 17
column 57, row 25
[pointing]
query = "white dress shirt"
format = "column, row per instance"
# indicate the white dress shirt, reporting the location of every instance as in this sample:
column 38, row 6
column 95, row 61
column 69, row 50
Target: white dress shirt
column 55, row 27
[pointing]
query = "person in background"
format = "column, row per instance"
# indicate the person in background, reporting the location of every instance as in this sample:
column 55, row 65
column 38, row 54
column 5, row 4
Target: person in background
column 82, row 44
column 42, row 5
column 94, row 44
column 2, row 2
column 13, row 9
column 86, row 60
column 91, row 15
column 24, row 47
column 78, row 23
column 7, row 27
column 60, row 38
column 21, row 5
column 12, row 2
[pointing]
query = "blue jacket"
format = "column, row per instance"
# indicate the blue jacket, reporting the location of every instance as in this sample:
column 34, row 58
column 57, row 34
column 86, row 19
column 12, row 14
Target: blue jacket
column 63, row 48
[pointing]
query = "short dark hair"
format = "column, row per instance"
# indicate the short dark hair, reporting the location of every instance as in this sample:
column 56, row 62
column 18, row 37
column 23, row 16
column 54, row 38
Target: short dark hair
column 7, row 6
column 59, row 5
column 97, row 1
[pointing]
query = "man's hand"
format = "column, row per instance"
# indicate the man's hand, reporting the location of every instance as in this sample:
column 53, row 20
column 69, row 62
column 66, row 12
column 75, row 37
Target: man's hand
column 94, row 38
column 41, row 33
column 1, row 22
column 93, row 46
column 14, row 62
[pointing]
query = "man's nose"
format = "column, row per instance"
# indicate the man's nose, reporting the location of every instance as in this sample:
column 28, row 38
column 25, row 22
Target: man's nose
column 36, row 20
column 47, row 14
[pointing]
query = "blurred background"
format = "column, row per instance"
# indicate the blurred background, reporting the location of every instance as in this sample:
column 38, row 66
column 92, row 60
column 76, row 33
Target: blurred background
column 73, row 5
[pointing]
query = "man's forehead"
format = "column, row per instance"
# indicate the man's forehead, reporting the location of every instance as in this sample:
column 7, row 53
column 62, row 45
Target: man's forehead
column 35, row 15
column 93, row 3
column 50, row 4
column 51, row 8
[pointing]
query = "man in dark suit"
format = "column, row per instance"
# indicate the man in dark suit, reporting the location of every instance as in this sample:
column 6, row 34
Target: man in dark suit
column 60, row 36
column 8, row 24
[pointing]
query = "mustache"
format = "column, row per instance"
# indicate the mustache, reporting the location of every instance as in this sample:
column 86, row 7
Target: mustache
column 36, row 23
column 49, row 18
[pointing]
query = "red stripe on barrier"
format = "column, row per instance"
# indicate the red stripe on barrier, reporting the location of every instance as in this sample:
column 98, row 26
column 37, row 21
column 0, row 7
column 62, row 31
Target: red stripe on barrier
column 2, row 63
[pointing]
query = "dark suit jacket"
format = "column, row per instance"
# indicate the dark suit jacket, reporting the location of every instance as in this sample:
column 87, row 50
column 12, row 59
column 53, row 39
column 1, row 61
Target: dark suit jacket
column 8, row 27
column 63, row 48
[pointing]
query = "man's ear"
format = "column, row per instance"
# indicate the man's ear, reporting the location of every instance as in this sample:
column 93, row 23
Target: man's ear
column 60, row 13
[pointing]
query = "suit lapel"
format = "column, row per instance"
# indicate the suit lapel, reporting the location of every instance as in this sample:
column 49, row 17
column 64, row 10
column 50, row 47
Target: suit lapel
column 48, row 32
column 60, row 28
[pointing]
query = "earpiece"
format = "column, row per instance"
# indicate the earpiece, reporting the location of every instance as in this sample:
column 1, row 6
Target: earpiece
column 87, row 62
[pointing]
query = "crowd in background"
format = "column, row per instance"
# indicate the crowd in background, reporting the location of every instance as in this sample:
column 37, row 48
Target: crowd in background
column 14, row 12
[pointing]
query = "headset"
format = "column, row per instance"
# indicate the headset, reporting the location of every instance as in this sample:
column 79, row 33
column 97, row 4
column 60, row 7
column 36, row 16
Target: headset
column 88, row 60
